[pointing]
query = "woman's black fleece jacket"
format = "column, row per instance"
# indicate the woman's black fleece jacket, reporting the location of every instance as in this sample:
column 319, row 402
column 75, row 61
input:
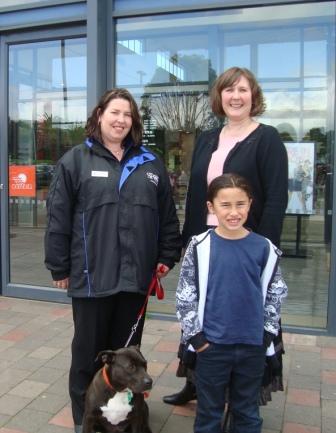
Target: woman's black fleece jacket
column 109, row 222
column 262, row 159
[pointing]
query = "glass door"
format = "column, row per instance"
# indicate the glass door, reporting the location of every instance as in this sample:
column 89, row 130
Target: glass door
column 169, row 62
column 46, row 116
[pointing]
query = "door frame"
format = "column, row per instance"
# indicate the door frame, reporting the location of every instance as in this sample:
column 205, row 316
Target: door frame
column 12, row 289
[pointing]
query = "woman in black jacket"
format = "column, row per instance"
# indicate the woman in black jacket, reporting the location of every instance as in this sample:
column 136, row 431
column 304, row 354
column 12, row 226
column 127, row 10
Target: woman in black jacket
column 112, row 225
column 253, row 150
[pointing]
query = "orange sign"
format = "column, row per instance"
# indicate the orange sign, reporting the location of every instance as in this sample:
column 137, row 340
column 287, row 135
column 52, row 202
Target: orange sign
column 22, row 180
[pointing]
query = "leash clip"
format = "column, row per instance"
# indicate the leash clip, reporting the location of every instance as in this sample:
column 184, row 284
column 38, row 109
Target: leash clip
column 133, row 329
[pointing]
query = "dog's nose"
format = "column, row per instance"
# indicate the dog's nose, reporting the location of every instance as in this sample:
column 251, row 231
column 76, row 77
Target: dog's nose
column 148, row 382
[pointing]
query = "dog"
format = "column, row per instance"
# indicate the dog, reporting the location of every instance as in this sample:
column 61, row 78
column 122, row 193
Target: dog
column 114, row 401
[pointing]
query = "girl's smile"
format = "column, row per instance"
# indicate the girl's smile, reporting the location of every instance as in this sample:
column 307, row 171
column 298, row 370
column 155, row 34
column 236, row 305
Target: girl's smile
column 231, row 207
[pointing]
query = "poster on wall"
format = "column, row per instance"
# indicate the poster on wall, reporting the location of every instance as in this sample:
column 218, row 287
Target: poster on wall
column 301, row 166
column 22, row 181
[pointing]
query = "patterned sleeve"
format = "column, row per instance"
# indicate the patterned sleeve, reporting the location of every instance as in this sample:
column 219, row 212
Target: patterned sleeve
column 276, row 293
column 187, row 295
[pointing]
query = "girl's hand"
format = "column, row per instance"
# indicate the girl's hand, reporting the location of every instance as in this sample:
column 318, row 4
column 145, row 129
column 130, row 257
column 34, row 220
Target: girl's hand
column 161, row 270
column 201, row 349
column 61, row 284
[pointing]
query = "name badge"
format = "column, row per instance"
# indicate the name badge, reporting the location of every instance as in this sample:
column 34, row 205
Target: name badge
column 95, row 173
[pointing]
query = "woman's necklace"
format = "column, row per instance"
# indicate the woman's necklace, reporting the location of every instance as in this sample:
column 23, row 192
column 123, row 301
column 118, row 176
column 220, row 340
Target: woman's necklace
column 117, row 152
column 237, row 131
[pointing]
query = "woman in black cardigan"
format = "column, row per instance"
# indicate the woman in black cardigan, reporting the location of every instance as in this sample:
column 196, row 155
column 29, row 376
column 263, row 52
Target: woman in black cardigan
column 254, row 151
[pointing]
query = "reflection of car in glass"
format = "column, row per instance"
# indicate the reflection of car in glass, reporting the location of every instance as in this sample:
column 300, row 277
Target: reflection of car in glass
column 44, row 174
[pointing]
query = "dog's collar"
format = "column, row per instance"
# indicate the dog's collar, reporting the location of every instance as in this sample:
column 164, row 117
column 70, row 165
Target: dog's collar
column 106, row 379
column 108, row 383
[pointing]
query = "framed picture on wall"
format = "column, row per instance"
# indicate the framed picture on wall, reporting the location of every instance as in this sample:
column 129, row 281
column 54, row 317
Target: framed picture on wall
column 301, row 171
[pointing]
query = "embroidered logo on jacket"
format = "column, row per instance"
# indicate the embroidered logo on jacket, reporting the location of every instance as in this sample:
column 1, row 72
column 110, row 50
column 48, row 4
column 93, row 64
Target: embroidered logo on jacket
column 154, row 178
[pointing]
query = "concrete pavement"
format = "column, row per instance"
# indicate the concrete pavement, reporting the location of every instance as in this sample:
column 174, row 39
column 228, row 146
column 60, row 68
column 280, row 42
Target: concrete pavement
column 35, row 342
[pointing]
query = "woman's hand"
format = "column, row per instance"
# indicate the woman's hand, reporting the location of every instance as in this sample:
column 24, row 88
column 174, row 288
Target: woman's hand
column 161, row 270
column 61, row 284
column 206, row 345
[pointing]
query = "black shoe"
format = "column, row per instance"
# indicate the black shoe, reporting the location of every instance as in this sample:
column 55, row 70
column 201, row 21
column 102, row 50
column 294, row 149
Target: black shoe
column 183, row 397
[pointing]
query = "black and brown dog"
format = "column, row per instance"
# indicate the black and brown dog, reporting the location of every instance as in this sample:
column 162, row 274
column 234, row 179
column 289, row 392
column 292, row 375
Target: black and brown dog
column 115, row 398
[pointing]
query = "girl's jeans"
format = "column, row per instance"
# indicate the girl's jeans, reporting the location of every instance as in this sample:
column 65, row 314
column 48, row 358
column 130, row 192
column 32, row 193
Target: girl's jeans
column 241, row 366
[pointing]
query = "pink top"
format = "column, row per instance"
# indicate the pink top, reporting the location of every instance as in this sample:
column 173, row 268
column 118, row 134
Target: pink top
column 216, row 168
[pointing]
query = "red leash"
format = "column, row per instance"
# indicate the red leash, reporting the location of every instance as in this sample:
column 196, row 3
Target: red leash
column 155, row 285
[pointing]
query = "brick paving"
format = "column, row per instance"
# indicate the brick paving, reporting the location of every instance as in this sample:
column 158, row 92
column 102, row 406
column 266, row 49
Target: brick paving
column 35, row 357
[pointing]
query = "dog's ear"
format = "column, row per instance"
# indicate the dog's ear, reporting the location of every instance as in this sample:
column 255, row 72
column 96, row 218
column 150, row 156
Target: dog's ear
column 106, row 356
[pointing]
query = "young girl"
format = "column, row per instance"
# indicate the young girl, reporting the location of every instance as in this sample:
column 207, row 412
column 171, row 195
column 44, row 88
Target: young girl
column 228, row 302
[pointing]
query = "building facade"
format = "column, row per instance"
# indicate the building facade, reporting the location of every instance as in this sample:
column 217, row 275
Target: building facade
column 58, row 57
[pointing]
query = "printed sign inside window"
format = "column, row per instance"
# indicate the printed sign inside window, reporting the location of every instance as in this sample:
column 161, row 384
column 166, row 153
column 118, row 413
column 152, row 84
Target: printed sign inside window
column 22, row 181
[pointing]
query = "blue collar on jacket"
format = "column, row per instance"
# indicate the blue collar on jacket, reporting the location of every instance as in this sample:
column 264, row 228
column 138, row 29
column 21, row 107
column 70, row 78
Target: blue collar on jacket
column 130, row 165
column 133, row 163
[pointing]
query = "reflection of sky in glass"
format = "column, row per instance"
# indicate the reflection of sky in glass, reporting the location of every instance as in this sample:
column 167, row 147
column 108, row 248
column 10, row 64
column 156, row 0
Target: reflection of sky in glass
column 24, row 112
column 158, row 66
column 315, row 58
column 315, row 100
column 130, row 5
column 75, row 72
column 287, row 101
column 25, row 91
column 287, row 47
column 75, row 112
column 39, row 78
column 237, row 55
column 279, row 60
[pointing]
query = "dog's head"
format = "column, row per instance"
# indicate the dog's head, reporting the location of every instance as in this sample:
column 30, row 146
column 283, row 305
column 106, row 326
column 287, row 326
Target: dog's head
column 126, row 368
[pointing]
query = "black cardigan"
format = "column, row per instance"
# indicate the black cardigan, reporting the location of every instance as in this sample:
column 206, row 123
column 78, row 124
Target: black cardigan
column 262, row 159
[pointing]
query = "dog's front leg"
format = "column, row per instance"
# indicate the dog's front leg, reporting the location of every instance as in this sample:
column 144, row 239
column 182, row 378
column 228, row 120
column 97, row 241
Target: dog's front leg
column 141, row 428
column 87, row 424
column 140, row 419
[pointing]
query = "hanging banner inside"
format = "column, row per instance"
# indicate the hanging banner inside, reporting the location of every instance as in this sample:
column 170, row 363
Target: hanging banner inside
column 301, row 178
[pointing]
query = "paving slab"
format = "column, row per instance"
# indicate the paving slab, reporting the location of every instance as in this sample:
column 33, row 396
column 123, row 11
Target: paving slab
column 35, row 339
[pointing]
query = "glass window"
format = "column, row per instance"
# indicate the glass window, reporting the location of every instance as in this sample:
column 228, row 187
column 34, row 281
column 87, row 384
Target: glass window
column 169, row 63
column 131, row 5
column 12, row 3
column 47, row 115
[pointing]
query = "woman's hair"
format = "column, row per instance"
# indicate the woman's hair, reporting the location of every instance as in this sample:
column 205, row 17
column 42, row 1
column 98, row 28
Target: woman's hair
column 228, row 79
column 228, row 180
column 93, row 127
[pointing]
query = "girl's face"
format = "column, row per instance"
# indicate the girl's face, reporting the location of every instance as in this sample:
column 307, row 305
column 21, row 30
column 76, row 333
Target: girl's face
column 237, row 100
column 115, row 121
column 231, row 207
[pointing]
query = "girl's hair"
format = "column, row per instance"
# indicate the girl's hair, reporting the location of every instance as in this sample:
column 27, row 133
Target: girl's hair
column 228, row 79
column 93, row 127
column 228, row 180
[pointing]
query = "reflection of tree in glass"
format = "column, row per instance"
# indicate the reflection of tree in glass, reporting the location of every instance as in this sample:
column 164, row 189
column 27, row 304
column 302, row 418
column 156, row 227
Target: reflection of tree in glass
column 176, row 110
column 54, row 137
column 322, row 145
column 287, row 132
column 181, row 111
column 179, row 106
